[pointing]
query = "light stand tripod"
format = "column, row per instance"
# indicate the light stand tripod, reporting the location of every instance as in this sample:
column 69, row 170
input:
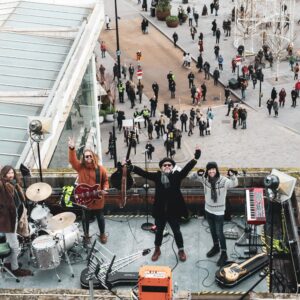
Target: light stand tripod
column 38, row 137
column 146, row 226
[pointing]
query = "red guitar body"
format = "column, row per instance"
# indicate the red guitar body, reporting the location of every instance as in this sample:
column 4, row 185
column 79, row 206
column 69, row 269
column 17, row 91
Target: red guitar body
column 87, row 195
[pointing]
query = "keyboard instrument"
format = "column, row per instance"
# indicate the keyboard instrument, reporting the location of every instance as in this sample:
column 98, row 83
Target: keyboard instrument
column 255, row 206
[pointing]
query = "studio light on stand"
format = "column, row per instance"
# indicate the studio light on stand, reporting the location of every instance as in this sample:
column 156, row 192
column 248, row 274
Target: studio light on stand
column 38, row 127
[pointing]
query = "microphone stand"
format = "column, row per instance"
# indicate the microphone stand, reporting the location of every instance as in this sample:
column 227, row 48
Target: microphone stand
column 146, row 226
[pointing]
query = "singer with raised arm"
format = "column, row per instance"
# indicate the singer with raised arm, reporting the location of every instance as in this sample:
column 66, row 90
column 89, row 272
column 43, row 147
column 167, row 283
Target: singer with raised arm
column 215, row 191
column 13, row 217
column 90, row 172
column 169, row 205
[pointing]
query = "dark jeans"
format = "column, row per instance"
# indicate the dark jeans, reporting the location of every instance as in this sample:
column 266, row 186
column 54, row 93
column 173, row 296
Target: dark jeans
column 174, row 224
column 87, row 214
column 215, row 223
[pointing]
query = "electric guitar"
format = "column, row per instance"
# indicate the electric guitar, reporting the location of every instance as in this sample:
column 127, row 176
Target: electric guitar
column 86, row 195
column 234, row 271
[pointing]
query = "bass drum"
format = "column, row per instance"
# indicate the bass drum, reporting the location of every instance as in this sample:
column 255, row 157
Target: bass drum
column 70, row 236
column 45, row 253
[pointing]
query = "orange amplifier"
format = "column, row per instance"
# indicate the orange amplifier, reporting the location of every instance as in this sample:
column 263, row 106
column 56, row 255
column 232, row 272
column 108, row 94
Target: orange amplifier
column 155, row 282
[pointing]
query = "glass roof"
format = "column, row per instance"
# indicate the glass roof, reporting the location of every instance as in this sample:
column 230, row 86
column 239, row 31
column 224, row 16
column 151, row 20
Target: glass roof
column 29, row 62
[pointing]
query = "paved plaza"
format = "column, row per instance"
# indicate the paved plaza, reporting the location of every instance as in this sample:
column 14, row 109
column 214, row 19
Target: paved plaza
column 267, row 142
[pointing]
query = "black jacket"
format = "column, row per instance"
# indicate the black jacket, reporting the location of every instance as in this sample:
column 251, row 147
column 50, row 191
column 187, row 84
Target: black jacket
column 168, row 202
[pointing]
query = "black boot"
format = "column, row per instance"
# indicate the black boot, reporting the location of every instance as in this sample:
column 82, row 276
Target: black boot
column 213, row 251
column 223, row 258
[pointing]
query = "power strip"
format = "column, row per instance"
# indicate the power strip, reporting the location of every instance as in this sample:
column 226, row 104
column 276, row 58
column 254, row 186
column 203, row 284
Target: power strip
column 231, row 234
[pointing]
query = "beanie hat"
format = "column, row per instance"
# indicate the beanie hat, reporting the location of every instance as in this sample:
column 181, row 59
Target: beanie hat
column 166, row 159
column 212, row 165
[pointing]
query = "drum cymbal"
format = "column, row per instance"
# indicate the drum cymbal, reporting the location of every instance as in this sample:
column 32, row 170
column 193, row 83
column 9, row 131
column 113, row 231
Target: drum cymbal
column 38, row 191
column 61, row 221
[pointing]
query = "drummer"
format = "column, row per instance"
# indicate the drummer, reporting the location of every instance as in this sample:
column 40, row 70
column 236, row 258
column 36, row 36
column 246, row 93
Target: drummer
column 13, row 217
column 87, row 170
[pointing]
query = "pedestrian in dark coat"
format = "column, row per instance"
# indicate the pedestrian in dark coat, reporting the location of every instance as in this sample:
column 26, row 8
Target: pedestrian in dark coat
column 229, row 106
column 200, row 62
column 191, row 78
column 273, row 94
column 214, row 27
column 155, row 88
column 183, row 120
column 203, row 91
column 175, row 38
column 269, row 106
column 282, row 95
column 168, row 205
column 294, row 96
column 216, row 76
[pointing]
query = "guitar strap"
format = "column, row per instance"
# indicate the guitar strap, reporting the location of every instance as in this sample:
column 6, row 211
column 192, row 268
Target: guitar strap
column 98, row 176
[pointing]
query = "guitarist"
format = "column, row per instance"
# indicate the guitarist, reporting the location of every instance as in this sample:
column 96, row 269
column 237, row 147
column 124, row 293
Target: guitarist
column 169, row 205
column 215, row 190
column 91, row 173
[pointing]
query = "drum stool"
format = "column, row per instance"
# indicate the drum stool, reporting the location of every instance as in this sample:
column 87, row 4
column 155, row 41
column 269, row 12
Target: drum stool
column 5, row 252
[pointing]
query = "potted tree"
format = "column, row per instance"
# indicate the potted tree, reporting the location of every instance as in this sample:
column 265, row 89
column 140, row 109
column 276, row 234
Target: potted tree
column 110, row 114
column 163, row 9
column 172, row 21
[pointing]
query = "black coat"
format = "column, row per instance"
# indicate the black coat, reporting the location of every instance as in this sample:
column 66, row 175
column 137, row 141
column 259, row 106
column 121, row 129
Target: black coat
column 168, row 202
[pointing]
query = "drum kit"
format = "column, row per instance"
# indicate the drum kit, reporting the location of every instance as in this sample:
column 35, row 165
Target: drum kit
column 51, row 237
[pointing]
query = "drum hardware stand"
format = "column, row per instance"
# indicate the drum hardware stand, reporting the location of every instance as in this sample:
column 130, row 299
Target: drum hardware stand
column 146, row 226
column 65, row 253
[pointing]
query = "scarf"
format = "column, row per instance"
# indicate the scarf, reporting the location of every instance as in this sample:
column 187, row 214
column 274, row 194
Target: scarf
column 165, row 180
column 213, row 190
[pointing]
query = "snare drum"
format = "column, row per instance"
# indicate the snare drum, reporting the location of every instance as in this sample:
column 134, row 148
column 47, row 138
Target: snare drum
column 40, row 215
column 70, row 234
column 45, row 253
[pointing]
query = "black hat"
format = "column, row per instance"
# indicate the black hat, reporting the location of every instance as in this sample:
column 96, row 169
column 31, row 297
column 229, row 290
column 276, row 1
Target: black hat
column 212, row 165
column 166, row 159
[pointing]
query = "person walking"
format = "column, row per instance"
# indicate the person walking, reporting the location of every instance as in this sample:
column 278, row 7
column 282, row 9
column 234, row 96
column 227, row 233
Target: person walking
column 191, row 78
column 216, row 76
column 153, row 106
column 235, row 117
column 229, row 106
column 107, row 21
column 103, row 49
column 215, row 192
column 193, row 31
column 149, row 148
column 200, row 63
column 131, row 72
column 214, row 27
column 193, row 93
column 175, row 39
column 282, row 95
column 220, row 62
column 191, row 125
column 155, row 89
column 273, row 93
column 102, row 73
column 203, row 91
column 227, row 94
column 269, row 106
column 244, row 118
column 140, row 88
column 150, row 130
column 218, row 35
column 275, row 107
column 183, row 119
column 206, row 68
column 294, row 96
column 169, row 205
column 172, row 88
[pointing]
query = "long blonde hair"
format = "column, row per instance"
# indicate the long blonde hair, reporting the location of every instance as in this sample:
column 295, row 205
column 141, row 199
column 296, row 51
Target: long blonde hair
column 95, row 158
